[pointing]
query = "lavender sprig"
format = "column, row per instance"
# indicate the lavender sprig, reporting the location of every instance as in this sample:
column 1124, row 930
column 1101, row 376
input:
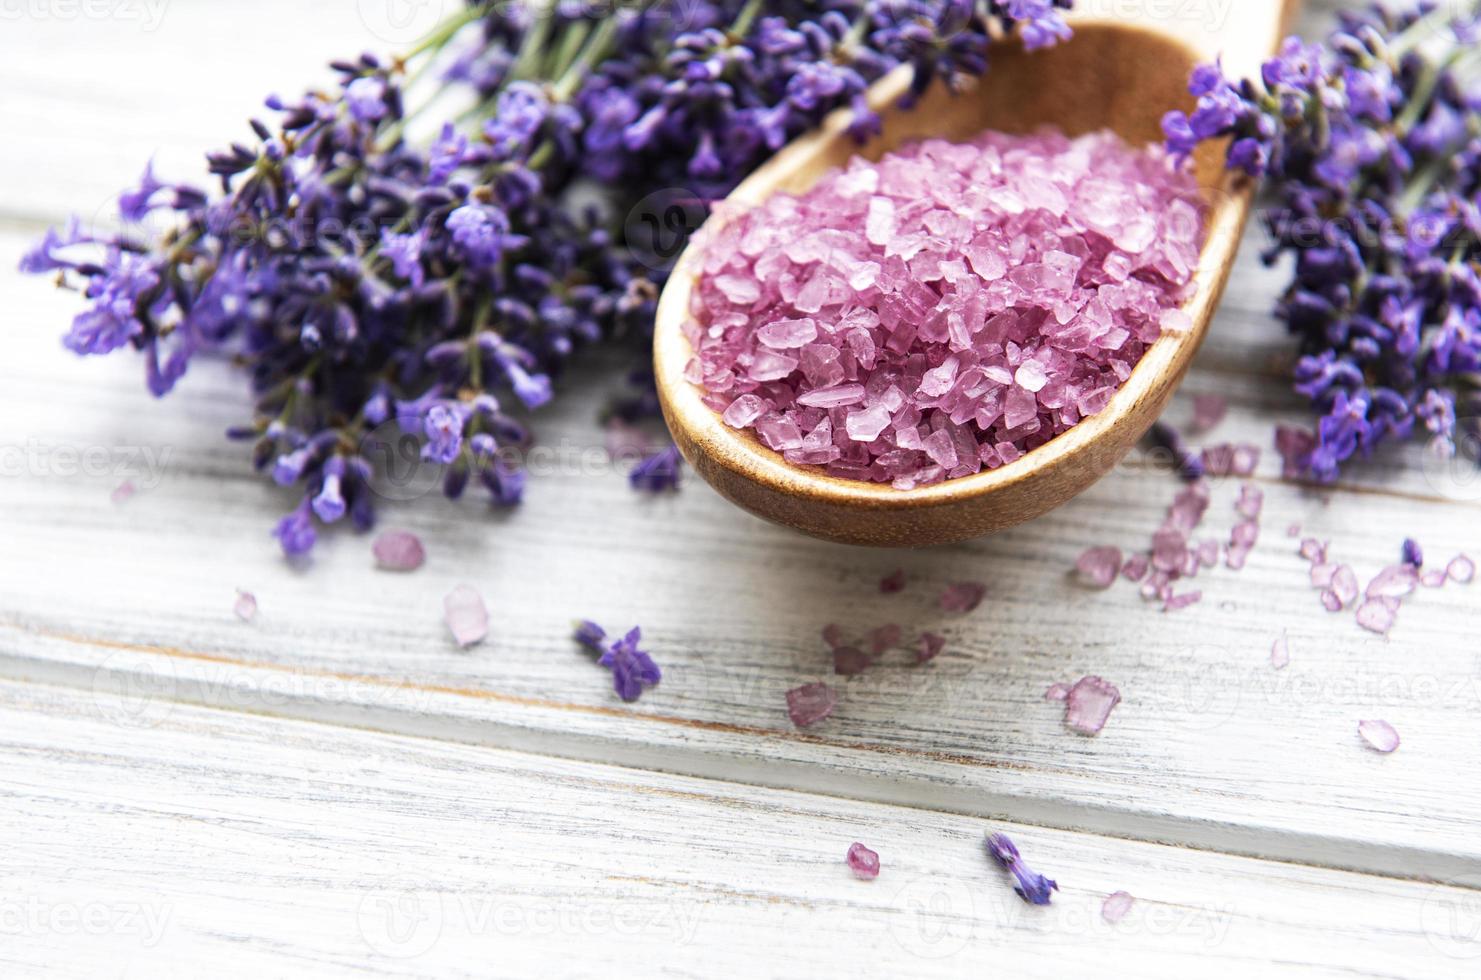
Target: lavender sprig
column 1371, row 146
column 381, row 290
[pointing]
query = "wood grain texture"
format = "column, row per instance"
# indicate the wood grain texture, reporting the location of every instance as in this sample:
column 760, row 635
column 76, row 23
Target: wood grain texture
column 228, row 844
column 1210, row 749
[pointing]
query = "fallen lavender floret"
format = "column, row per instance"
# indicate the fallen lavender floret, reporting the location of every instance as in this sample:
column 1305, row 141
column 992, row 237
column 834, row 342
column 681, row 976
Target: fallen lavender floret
column 1032, row 887
column 1368, row 145
column 633, row 670
column 658, row 472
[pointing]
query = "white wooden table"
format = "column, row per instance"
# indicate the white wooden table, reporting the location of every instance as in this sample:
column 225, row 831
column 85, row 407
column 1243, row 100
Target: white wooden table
column 335, row 789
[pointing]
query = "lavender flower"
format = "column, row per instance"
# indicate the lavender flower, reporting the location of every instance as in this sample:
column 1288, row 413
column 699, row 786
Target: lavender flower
column 1031, row 887
column 632, row 669
column 359, row 277
column 1365, row 143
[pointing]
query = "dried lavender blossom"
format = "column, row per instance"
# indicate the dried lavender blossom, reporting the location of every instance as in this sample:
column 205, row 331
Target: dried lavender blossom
column 1032, row 887
column 633, row 670
column 1368, row 145
column 384, row 295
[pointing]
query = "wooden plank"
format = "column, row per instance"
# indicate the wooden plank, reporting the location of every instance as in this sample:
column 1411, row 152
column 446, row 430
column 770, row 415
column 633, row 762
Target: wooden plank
column 1211, row 748
column 223, row 843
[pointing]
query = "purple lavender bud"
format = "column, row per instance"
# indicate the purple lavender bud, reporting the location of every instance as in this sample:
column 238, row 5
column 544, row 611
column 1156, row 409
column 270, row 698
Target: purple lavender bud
column 632, row 669
column 444, row 431
column 329, row 504
column 366, row 99
column 1032, row 887
column 295, row 532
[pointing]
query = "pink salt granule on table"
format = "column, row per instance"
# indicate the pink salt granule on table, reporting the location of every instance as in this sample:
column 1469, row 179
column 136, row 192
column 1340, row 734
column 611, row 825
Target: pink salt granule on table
column 947, row 309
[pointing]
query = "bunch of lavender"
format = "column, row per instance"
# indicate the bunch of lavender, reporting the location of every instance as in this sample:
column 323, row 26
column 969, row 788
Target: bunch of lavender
column 379, row 290
column 1371, row 145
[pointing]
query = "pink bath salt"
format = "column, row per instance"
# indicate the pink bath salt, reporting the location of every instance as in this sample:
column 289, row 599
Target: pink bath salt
column 1280, row 652
column 466, row 616
column 962, row 597
column 1379, row 734
column 1433, row 578
column 1313, row 550
column 246, row 606
column 848, row 661
column 1115, row 907
column 1183, row 601
column 1251, row 501
column 123, row 492
column 1099, row 566
column 1089, row 703
column 948, row 308
column 1321, row 574
column 1331, row 602
column 833, row 636
column 893, row 582
column 863, row 862
column 882, row 638
column 1376, row 615
column 1057, row 692
column 928, row 647
column 1394, row 582
column 811, row 703
column 1208, row 412
column 398, row 551
column 1136, row 568
column 1244, row 460
column 1461, row 569
column 1344, row 584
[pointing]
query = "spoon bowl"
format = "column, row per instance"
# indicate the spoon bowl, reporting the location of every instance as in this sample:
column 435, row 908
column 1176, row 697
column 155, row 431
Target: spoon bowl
column 1122, row 75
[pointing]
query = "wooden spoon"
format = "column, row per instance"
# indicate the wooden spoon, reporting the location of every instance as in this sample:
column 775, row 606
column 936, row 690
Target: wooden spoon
column 1122, row 74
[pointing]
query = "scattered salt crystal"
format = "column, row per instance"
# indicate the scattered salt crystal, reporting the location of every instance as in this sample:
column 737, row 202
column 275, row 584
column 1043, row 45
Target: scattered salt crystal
column 1089, row 704
column 1115, row 907
column 1099, row 566
column 246, row 606
column 948, row 308
column 835, row 397
column 1330, row 601
column 1376, row 615
column 963, row 597
column 743, row 411
column 811, row 703
column 849, row 661
column 893, row 582
column 1208, row 411
column 398, row 551
column 1280, row 652
column 1345, row 584
column 1313, row 550
column 863, row 862
column 1394, row 582
column 928, row 647
column 1379, row 734
column 1461, row 569
column 1433, row 578
column 1057, row 692
column 1174, row 603
column 1244, row 460
column 122, row 492
column 466, row 615
column 882, row 638
column 833, row 635
column 1136, row 568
